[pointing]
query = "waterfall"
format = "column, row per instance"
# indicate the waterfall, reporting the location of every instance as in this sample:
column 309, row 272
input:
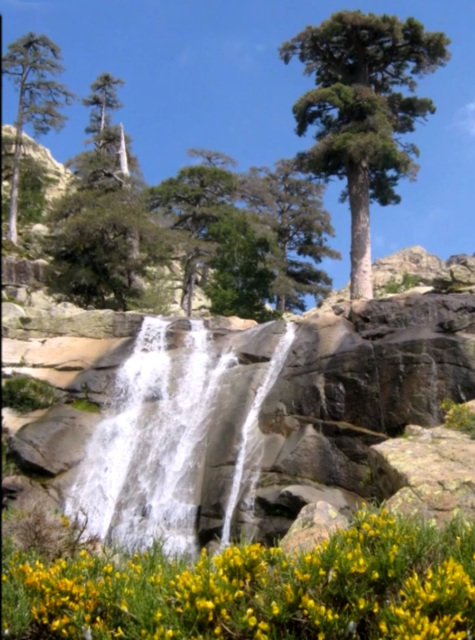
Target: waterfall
column 139, row 479
column 247, row 466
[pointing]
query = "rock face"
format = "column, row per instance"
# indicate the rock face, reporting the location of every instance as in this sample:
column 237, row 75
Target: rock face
column 315, row 523
column 19, row 271
column 455, row 274
column 59, row 177
column 382, row 364
column 415, row 261
column 354, row 376
column 429, row 472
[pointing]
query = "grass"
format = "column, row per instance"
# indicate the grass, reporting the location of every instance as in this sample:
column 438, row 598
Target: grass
column 86, row 405
column 384, row 577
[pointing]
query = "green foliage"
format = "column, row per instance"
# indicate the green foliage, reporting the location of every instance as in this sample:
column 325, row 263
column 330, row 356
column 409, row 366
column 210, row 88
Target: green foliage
column 102, row 101
column 85, row 405
column 30, row 63
column 384, row 577
column 408, row 282
column 99, row 169
column 189, row 203
column 157, row 294
column 291, row 211
column 101, row 245
column 357, row 61
column 459, row 417
column 27, row 394
column 241, row 281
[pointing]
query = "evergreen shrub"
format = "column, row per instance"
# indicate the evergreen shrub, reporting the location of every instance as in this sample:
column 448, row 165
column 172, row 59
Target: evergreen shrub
column 26, row 394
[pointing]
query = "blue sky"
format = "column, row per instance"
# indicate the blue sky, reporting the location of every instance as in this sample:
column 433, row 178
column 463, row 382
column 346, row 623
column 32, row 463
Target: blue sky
column 206, row 73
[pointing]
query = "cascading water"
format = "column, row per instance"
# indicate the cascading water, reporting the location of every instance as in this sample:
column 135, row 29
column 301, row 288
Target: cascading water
column 248, row 462
column 138, row 480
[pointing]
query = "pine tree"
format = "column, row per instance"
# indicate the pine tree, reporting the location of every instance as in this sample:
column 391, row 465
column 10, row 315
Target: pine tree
column 241, row 280
column 198, row 196
column 32, row 62
column 357, row 62
column 290, row 205
column 110, row 164
column 103, row 101
column 91, row 258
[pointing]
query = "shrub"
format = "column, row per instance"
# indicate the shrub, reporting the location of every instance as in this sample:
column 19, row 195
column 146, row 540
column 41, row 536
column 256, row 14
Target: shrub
column 459, row 416
column 9, row 467
column 46, row 532
column 385, row 576
column 408, row 282
column 27, row 394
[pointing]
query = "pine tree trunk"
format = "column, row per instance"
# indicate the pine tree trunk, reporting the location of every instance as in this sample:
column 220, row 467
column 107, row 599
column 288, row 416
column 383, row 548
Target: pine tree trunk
column 136, row 283
column 13, row 216
column 361, row 284
column 189, row 284
column 280, row 304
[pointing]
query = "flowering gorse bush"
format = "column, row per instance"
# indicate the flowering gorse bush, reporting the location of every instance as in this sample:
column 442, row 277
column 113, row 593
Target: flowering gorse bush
column 459, row 416
column 384, row 577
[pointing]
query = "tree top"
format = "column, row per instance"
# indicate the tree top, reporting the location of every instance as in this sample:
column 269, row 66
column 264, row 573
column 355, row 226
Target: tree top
column 380, row 51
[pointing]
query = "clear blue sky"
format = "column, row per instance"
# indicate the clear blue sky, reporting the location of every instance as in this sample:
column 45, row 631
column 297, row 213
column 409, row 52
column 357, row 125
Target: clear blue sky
column 206, row 73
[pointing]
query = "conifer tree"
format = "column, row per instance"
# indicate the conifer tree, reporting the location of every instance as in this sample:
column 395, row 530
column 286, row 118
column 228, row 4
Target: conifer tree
column 192, row 201
column 103, row 101
column 290, row 205
column 110, row 163
column 357, row 62
column 32, row 63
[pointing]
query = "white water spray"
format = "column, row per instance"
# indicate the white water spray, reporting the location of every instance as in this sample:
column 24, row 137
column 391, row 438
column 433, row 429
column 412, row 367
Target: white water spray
column 247, row 466
column 138, row 481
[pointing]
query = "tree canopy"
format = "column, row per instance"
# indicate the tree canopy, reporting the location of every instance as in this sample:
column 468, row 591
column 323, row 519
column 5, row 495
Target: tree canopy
column 197, row 197
column 100, row 168
column 290, row 205
column 241, row 281
column 358, row 61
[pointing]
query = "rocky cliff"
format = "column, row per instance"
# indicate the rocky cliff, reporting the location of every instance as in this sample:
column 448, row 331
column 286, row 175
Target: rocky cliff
column 355, row 376
column 59, row 177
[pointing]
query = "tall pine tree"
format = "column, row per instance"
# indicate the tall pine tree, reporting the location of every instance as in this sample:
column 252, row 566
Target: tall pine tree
column 110, row 164
column 32, row 63
column 357, row 62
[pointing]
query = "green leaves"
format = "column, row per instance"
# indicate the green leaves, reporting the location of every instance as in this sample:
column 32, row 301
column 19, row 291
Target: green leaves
column 291, row 210
column 241, row 282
